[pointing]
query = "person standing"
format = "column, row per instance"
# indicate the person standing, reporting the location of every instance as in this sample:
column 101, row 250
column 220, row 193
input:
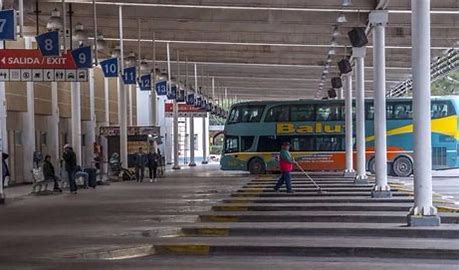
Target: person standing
column 153, row 159
column 140, row 162
column 49, row 173
column 286, row 163
column 69, row 157
column 5, row 170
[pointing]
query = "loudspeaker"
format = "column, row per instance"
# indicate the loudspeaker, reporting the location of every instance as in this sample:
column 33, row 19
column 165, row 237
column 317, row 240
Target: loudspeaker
column 357, row 37
column 344, row 66
column 332, row 93
column 336, row 82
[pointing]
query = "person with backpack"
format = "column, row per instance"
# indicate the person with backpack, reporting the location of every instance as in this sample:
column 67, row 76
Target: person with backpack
column 69, row 157
column 286, row 163
column 153, row 159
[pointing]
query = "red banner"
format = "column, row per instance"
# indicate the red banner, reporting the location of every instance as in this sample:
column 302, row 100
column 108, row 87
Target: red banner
column 182, row 107
column 32, row 59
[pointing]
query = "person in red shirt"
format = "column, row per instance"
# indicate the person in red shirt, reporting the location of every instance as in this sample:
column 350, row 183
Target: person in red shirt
column 286, row 163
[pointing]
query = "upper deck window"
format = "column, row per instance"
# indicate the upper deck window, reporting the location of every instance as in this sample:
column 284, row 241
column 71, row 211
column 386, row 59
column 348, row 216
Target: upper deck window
column 329, row 112
column 278, row 114
column 302, row 113
column 441, row 109
column 246, row 114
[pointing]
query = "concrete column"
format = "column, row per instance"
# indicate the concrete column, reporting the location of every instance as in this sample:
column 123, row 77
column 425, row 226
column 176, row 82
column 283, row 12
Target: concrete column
column 3, row 133
column 122, row 121
column 349, row 171
column 76, row 119
column 92, row 114
column 423, row 212
column 54, row 126
column 28, row 125
column 378, row 19
column 192, row 163
column 359, row 55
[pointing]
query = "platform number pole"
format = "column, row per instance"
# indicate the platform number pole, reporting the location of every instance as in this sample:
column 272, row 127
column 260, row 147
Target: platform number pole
column 192, row 162
column 2, row 128
column 174, row 108
column 349, row 172
column 122, row 119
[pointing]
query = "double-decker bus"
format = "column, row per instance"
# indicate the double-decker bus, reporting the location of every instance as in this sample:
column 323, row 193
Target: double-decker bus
column 255, row 131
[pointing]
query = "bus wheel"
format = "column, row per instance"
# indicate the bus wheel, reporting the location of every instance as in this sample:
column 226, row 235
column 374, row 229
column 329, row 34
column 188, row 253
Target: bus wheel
column 402, row 167
column 372, row 165
column 257, row 166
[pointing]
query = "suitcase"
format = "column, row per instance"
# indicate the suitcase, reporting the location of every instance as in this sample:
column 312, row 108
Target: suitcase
column 92, row 179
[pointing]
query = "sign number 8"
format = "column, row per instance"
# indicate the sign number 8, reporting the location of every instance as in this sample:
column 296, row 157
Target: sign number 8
column 49, row 44
column 82, row 58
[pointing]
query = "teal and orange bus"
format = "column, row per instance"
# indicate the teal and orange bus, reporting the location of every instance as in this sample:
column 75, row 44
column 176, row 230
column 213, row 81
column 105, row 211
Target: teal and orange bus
column 254, row 132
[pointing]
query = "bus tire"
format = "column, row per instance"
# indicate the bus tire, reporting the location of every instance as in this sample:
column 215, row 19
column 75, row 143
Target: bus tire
column 257, row 166
column 372, row 165
column 402, row 166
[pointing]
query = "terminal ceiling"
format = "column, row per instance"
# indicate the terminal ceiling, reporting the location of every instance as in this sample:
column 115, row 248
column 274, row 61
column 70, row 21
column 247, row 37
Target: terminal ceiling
column 259, row 49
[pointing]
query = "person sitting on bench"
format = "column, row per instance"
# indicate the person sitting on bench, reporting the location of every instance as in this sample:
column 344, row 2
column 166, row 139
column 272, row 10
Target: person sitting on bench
column 49, row 173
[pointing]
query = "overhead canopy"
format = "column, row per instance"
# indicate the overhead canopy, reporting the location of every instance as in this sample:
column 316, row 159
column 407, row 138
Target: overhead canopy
column 260, row 49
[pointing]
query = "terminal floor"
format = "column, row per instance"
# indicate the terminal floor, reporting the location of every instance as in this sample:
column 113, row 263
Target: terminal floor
column 163, row 225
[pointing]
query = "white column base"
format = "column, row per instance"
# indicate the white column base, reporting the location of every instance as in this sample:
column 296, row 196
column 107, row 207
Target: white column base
column 349, row 174
column 361, row 179
column 381, row 192
column 423, row 221
column 176, row 167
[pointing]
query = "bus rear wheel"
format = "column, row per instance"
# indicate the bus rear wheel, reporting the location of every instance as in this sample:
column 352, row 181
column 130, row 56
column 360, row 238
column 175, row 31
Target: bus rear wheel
column 402, row 167
column 372, row 165
column 257, row 166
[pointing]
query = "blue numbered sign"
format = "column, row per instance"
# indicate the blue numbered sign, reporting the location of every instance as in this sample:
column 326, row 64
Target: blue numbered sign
column 129, row 75
column 48, row 43
column 190, row 99
column 145, row 83
column 161, row 88
column 110, row 67
column 172, row 94
column 82, row 57
column 8, row 24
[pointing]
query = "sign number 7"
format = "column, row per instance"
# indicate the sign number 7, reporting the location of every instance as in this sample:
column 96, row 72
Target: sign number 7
column 2, row 24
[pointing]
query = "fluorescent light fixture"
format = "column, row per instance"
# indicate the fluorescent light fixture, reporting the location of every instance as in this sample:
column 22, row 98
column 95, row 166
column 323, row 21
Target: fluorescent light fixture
column 346, row 3
column 55, row 22
column 332, row 52
column 341, row 19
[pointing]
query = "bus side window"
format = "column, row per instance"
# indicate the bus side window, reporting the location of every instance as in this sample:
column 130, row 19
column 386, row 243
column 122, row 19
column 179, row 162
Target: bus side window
column 234, row 115
column 441, row 109
column 328, row 113
column 330, row 143
column 278, row 114
column 369, row 111
column 246, row 142
column 302, row 113
column 403, row 111
column 231, row 144
column 390, row 111
column 269, row 144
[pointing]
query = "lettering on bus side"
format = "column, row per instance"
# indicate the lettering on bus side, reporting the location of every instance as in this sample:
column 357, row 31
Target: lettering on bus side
column 289, row 128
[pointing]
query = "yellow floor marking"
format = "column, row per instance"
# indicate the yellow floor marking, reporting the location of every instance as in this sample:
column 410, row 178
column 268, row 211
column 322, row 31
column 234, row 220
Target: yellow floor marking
column 447, row 209
column 185, row 249
column 213, row 232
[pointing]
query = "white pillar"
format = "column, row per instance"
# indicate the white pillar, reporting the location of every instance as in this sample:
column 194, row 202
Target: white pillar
column 122, row 121
column 54, row 125
column 204, row 139
column 349, row 171
column 192, row 163
column 153, row 107
column 106, row 122
column 130, row 105
column 76, row 119
column 107, row 101
column 175, row 112
column 359, row 54
column 423, row 212
column 92, row 114
column 378, row 19
column 3, row 133
column 28, row 124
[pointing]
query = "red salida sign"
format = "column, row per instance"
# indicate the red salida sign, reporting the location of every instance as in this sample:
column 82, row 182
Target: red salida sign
column 182, row 108
column 32, row 59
